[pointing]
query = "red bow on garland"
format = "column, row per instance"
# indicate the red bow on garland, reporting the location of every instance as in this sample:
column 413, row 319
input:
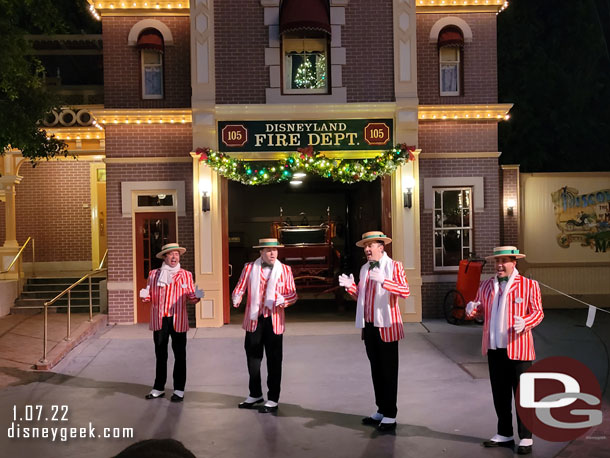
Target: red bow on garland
column 203, row 152
column 410, row 148
column 307, row 151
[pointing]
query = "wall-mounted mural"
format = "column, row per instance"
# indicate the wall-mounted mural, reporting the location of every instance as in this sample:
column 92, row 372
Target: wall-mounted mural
column 583, row 218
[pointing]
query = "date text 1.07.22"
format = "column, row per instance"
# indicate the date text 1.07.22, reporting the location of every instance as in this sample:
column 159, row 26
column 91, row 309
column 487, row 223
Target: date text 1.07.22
column 40, row 413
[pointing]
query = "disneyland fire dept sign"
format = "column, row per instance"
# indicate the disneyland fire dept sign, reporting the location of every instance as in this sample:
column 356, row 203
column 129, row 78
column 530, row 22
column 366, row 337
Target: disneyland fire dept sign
column 334, row 135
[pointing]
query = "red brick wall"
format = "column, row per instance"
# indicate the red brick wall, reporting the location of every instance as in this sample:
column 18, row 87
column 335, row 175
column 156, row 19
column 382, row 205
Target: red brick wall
column 122, row 68
column 449, row 136
column 433, row 295
column 241, row 38
column 120, row 229
column 154, row 140
column 368, row 38
column 486, row 224
column 480, row 76
column 509, row 234
column 53, row 205
column 120, row 306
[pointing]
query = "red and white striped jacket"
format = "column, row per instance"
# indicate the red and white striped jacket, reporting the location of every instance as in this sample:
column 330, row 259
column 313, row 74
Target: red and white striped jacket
column 283, row 286
column 170, row 300
column 398, row 287
column 524, row 300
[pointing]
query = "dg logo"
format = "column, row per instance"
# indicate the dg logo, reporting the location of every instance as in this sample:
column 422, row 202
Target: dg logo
column 559, row 399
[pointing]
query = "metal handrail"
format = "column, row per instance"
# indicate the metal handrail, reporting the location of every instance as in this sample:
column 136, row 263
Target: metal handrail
column 76, row 283
column 18, row 255
column 103, row 259
column 67, row 291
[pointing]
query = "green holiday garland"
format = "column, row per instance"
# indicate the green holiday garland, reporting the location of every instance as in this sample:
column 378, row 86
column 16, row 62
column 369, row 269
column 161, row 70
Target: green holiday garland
column 306, row 160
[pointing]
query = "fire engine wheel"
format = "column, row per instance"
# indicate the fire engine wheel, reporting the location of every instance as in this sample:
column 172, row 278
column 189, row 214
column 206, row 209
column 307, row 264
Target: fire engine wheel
column 454, row 307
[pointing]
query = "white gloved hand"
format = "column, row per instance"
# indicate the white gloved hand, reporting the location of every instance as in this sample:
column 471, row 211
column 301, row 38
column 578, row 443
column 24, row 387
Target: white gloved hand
column 377, row 275
column 236, row 301
column 199, row 293
column 519, row 325
column 144, row 293
column 472, row 307
column 279, row 300
column 345, row 281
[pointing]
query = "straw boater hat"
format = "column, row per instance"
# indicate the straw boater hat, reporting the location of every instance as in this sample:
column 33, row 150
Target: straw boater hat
column 268, row 243
column 170, row 247
column 373, row 236
column 510, row 251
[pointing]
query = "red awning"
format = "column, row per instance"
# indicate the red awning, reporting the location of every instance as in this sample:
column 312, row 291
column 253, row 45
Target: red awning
column 304, row 15
column 150, row 39
column 450, row 36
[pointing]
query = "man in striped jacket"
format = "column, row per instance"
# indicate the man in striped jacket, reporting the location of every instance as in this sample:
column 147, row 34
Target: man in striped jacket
column 271, row 289
column 511, row 306
column 382, row 282
column 170, row 288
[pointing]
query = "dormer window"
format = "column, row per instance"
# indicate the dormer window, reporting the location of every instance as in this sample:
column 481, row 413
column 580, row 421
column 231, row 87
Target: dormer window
column 305, row 31
column 150, row 43
column 305, row 64
column 450, row 46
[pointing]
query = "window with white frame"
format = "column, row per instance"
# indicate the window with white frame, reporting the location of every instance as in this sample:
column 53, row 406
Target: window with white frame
column 452, row 226
column 450, row 49
column 152, row 74
column 305, row 63
column 449, row 59
column 153, row 201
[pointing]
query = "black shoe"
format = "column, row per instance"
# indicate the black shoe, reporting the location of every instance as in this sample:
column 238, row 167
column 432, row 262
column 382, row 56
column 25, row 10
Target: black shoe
column 506, row 444
column 386, row 427
column 370, row 421
column 524, row 450
column 152, row 396
column 249, row 405
column 268, row 409
column 176, row 398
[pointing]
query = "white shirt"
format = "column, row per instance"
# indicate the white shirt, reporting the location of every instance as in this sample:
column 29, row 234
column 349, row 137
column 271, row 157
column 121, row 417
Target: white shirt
column 498, row 328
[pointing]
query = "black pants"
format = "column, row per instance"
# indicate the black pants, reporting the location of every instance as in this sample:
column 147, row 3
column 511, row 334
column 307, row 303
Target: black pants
column 161, row 339
column 504, row 375
column 383, row 357
column 264, row 338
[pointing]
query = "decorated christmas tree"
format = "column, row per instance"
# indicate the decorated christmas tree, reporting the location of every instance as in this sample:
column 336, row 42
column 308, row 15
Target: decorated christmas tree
column 305, row 77
column 321, row 71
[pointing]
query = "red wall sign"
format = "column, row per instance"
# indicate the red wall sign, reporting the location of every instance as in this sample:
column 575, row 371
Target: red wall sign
column 234, row 135
column 377, row 133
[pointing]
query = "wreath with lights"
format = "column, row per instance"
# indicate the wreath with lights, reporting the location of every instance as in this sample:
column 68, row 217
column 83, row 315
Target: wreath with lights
column 306, row 160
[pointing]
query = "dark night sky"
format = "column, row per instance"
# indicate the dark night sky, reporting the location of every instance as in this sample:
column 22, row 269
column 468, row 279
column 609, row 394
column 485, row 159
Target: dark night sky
column 553, row 64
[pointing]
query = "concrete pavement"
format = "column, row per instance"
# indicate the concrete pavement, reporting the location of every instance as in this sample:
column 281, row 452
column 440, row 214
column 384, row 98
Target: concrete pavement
column 445, row 405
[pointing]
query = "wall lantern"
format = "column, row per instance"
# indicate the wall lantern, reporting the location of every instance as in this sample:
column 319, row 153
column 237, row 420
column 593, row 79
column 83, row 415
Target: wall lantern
column 409, row 184
column 204, row 190
column 510, row 206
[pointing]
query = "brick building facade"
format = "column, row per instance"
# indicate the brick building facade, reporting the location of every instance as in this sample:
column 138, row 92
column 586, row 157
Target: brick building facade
column 172, row 74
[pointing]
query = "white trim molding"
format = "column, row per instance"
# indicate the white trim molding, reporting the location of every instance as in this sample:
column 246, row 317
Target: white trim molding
column 450, row 20
column 460, row 155
column 273, row 58
column 129, row 187
column 477, row 184
column 134, row 33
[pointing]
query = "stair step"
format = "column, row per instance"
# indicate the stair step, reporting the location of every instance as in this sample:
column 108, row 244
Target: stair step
column 26, row 306
column 17, row 310
column 58, row 287
column 61, row 302
column 48, row 295
column 23, row 307
column 61, row 280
